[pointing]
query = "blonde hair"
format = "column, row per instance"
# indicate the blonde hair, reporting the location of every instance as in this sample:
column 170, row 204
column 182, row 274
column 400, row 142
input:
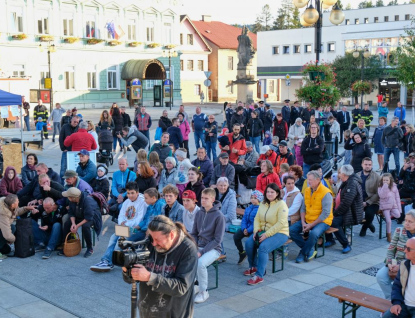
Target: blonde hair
column 141, row 155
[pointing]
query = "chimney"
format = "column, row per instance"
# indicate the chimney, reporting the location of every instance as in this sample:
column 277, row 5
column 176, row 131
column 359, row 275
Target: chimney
column 206, row 18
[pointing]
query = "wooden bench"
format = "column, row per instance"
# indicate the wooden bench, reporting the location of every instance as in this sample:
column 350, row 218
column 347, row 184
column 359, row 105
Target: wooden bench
column 282, row 250
column 352, row 300
column 240, row 211
column 323, row 236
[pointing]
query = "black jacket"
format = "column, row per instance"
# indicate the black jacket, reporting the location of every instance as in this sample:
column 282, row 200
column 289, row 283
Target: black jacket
column 87, row 209
column 356, row 115
column 33, row 188
column 101, row 185
column 306, row 114
column 341, row 119
column 255, row 127
column 145, row 183
column 408, row 179
column 294, row 114
column 351, row 198
column 164, row 123
column 176, row 137
column 49, row 219
column 268, row 118
column 359, row 151
column 55, row 191
column 66, row 131
column 312, row 149
column 213, row 128
column 65, row 120
column 162, row 150
column 237, row 119
column 169, row 292
column 118, row 125
column 28, row 175
column 126, row 120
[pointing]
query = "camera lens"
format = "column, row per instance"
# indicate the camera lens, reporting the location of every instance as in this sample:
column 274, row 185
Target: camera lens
column 118, row 258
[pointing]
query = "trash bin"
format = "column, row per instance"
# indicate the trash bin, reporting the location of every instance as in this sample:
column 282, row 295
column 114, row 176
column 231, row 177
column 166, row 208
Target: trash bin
column 167, row 104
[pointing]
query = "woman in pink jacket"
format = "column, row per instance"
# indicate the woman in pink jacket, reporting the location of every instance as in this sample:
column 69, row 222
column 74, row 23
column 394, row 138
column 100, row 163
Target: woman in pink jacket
column 185, row 129
column 390, row 201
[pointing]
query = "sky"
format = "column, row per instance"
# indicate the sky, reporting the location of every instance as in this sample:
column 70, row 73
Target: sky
column 237, row 11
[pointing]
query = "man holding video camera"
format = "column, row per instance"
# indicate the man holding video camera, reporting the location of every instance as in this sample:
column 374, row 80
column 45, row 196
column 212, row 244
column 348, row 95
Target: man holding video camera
column 166, row 281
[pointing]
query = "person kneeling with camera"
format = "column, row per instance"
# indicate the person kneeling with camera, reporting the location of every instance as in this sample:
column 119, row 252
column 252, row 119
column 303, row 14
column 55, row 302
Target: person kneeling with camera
column 166, row 281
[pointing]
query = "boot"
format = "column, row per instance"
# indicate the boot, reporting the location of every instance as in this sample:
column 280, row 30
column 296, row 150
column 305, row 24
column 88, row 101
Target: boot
column 363, row 231
column 389, row 237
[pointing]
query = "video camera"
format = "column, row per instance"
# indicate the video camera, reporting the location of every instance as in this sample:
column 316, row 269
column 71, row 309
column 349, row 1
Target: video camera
column 131, row 252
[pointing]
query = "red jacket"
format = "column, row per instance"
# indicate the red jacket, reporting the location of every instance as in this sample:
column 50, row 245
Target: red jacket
column 238, row 144
column 81, row 140
column 263, row 180
column 271, row 158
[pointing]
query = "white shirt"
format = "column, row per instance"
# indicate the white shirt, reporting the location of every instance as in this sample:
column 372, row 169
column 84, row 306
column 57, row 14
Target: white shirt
column 132, row 212
column 298, row 201
column 410, row 288
column 189, row 218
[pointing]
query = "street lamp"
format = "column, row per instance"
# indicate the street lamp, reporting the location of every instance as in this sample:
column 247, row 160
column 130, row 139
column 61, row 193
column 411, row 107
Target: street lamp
column 51, row 49
column 170, row 53
column 363, row 53
column 313, row 16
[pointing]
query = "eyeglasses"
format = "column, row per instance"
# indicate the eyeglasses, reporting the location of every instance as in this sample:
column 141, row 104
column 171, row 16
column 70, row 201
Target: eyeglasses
column 409, row 249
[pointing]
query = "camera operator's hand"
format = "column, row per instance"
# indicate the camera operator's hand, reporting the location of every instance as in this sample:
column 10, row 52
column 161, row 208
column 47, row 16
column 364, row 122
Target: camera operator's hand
column 139, row 272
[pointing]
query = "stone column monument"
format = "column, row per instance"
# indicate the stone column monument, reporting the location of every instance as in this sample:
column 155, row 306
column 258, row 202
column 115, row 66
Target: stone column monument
column 245, row 78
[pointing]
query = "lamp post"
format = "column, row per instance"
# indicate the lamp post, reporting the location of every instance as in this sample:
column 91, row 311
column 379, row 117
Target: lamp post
column 363, row 53
column 313, row 16
column 51, row 49
column 170, row 53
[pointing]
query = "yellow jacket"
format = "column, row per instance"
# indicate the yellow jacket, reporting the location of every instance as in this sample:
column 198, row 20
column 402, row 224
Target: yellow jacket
column 313, row 204
column 272, row 218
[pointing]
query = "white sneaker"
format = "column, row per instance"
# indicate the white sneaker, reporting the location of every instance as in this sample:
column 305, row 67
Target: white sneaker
column 196, row 289
column 201, row 297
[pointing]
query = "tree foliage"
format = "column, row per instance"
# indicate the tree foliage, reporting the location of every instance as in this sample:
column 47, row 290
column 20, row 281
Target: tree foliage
column 348, row 70
column 393, row 3
column 263, row 20
column 365, row 4
column 379, row 3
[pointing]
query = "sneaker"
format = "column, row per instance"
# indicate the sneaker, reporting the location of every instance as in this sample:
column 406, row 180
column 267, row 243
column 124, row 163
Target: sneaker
column 255, row 280
column 250, row 271
column 329, row 243
column 47, row 254
column 347, row 249
column 2, row 256
column 222, row 258
column 40, row 248
column 312, row 255
column 201, row 297
column 196, row 289
column 89, row 252
column 102, row 267
column 300, row 258
column 242, row 257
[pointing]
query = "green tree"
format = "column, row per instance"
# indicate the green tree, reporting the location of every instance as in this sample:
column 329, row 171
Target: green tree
column 405, row 69
column 365, row 4
column 280, row 20
column 263, row 20
column 340, row 4
column 393, row 3
column 348, row 7
column 295, row 19
column 379, row 3
column 348, row 70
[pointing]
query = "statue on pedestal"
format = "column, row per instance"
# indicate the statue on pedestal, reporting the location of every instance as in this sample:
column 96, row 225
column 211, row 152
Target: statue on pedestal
column 245, row 49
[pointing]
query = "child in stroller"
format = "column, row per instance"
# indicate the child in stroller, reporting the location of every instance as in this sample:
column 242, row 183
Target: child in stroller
column 105, row 140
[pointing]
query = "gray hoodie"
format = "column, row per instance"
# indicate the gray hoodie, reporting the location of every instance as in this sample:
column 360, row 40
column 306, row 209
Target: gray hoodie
column 209, row 228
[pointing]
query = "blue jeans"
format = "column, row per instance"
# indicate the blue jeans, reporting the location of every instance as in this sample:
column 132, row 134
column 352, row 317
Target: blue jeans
column 211, row 148
column 388, row 152
column 384, row 281
column 199, row 136
column 255, row 141
column 306, row 169
column 49, row 238
column 112, row 244
column 27, row 122
column 307, row 246
column 56, row 129
column 114, row 143
column 64, row 163
column 260, row 258
column 406, row 312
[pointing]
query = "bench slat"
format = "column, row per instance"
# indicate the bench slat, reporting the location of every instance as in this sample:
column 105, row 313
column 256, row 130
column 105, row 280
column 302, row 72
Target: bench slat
column 359, row 298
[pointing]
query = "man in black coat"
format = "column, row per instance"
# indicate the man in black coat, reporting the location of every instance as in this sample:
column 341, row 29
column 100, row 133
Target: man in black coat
column 350, row 210
column 66, row 131
column 306, row 114
column 285, row 111
column 176, row 137
column 126, row 118
column 343, row 118
column 295, row 113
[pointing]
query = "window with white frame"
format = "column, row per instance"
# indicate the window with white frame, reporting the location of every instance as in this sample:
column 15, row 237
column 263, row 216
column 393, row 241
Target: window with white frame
column 16, row 19
column 286, row 49
column 43, row 22
column 69, row 77
column 190, row 65
column 67, row 25
column 167, row 33
column 296, row 49
column 150, row 84
column 230, row 63
column 44, row 73
column 307, row 48
column 197, row 89
column 190, row 39
column 112, row 77
column 181, row 38
column 91, row 77
column 275, row 50
column 132, row 27
column 90, row 29
column 150, row 32
column 18, row 70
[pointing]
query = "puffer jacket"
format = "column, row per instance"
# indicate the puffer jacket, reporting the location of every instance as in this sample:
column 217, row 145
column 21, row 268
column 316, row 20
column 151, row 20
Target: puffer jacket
column 351, row 198
column 389, row 198
column 7, row 217
column 80, row 140
column 228, row 201
column 166, row 178
column 248, row 218
column 359, row 151
column 255, row 127
column 28, row 175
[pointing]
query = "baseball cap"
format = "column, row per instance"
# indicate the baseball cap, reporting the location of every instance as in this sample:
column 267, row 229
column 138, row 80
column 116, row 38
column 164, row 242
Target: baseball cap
column 189, row 194
column 412, row 154
column 83, row 152
column 223, row 155
column 264, row 149
column 261, row 102
column 70, row 174
column 283, row 143
column 72, row 192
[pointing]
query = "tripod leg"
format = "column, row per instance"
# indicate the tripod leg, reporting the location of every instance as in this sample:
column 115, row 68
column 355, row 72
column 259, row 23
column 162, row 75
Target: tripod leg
column 134, row 300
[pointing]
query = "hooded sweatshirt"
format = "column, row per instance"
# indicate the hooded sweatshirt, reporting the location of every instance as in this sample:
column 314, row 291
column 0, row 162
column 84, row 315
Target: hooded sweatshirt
column 7, row 217
column 169, row 292
column 10, row 186
column 132, row 212
column 209, row 228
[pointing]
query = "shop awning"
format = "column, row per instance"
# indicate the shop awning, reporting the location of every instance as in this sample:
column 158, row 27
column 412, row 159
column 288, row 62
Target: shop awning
column 143, row 69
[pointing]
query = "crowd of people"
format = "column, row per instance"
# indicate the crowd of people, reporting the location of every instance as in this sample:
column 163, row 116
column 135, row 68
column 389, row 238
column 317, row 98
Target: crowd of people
column 293, row 196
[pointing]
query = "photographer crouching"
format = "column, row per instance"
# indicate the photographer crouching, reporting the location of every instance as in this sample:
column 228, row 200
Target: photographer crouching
column 167, row 279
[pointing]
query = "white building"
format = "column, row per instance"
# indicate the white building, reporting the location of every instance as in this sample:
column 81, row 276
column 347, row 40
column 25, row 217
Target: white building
column 131, row 35
column 284, row 52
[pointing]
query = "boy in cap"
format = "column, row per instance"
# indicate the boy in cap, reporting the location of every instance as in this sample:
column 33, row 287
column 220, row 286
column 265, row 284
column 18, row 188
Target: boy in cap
column 191, row 208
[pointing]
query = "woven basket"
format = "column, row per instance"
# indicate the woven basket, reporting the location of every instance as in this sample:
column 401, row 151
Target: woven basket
column 72, row 247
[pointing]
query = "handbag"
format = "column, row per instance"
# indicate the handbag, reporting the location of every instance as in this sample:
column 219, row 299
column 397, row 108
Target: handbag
column 72, row 247
column 158, row 134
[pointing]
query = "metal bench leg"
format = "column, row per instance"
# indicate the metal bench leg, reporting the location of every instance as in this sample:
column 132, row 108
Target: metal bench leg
column 349, row 308
column 215, row 265
column 273, row 261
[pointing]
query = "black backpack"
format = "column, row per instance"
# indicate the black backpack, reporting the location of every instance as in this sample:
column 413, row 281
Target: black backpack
column 25, row 241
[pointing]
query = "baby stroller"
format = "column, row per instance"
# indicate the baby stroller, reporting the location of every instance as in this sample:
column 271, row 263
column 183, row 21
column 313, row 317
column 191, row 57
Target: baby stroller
column 105, row 147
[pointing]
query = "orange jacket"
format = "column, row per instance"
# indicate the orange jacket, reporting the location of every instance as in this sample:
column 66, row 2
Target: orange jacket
column 238, row 144
column 263, row 180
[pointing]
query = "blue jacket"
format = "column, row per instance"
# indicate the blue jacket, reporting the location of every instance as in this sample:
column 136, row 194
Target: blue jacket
column 176, row 137
column 228, row 206
column 199, row 121
column 176, row 212
column 397, row 296
column 205, row 166
column 248, row 218
column 400, row 111
column 119, row 180
column 152, row 211
column 383, row 111
column 87, row 172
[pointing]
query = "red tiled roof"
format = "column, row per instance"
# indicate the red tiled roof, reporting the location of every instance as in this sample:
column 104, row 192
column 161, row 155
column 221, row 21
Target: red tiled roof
column 223, row 35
